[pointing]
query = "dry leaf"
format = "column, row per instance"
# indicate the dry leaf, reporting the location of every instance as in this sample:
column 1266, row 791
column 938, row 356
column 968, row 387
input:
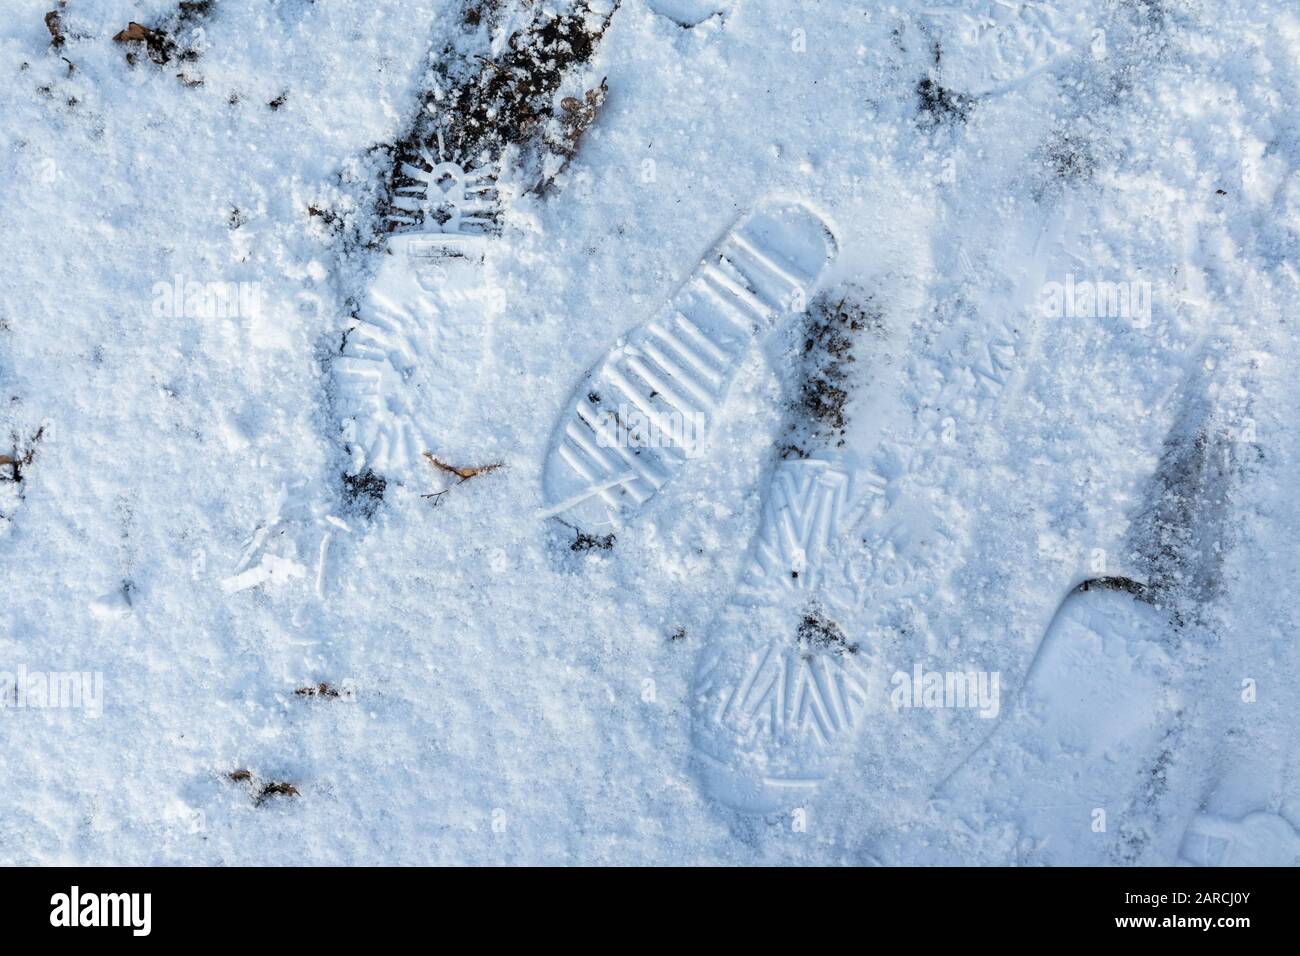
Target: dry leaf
column 134, row 32
column 55, row 25
column 277, row 789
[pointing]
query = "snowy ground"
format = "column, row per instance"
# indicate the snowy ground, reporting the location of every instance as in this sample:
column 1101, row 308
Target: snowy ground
column 176, row 516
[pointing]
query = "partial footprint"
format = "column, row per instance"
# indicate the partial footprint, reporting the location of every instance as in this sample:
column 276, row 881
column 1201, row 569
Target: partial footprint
column 991, row 45
column 1078, row 764
column 671, row 375
column 409, row 366
column 687, row 13
column 418, row 345
column 1257, row 839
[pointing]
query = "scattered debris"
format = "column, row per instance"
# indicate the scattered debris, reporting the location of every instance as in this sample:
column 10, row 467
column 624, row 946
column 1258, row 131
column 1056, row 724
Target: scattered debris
column 159, row 46
column 1070, row 156
column 54, row 23
column 678, row 635
column 475, row 109
column 586, row 542
column 320, row 690
column 576, row 116
column 279, row 101
column 821, row 391
column 816, row 630
column 939, row 105
column 364, row 492
column 12, row 465
column 1116, row 583
column 1180, row 534
column 333, row 223
column 260, row 795
column 163, row 44
column 274, row 790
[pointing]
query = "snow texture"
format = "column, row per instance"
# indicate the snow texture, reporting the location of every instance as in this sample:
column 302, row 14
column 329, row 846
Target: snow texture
column 289, row 488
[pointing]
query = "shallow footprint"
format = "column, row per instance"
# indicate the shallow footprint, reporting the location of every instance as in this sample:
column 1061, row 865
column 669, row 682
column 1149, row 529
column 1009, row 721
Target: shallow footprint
column 1077, row 764
column 1257, row 839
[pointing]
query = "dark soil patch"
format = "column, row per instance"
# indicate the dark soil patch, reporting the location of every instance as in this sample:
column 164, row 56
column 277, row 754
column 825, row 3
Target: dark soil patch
column 364, row 492
column 820, row 632
column 477, row 108
column 1068, row 158
column 54, row 23
column 588, row 542
column 940, row 106
column 822, row 388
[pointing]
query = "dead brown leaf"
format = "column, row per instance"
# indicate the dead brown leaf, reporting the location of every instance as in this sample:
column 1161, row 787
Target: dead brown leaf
column 134, row 32
column 54, row 23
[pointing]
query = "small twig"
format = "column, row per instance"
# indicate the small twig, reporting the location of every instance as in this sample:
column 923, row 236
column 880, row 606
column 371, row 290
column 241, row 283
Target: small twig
column 20, row 459
column 464, row 474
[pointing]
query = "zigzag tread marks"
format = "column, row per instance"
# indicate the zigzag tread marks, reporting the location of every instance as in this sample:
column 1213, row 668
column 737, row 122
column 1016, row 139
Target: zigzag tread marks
column 801, row 517
column 787, row 693
column 998, row 357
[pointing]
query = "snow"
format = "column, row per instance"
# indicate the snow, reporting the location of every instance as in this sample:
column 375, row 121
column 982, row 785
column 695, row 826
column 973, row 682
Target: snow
column 182, row 526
